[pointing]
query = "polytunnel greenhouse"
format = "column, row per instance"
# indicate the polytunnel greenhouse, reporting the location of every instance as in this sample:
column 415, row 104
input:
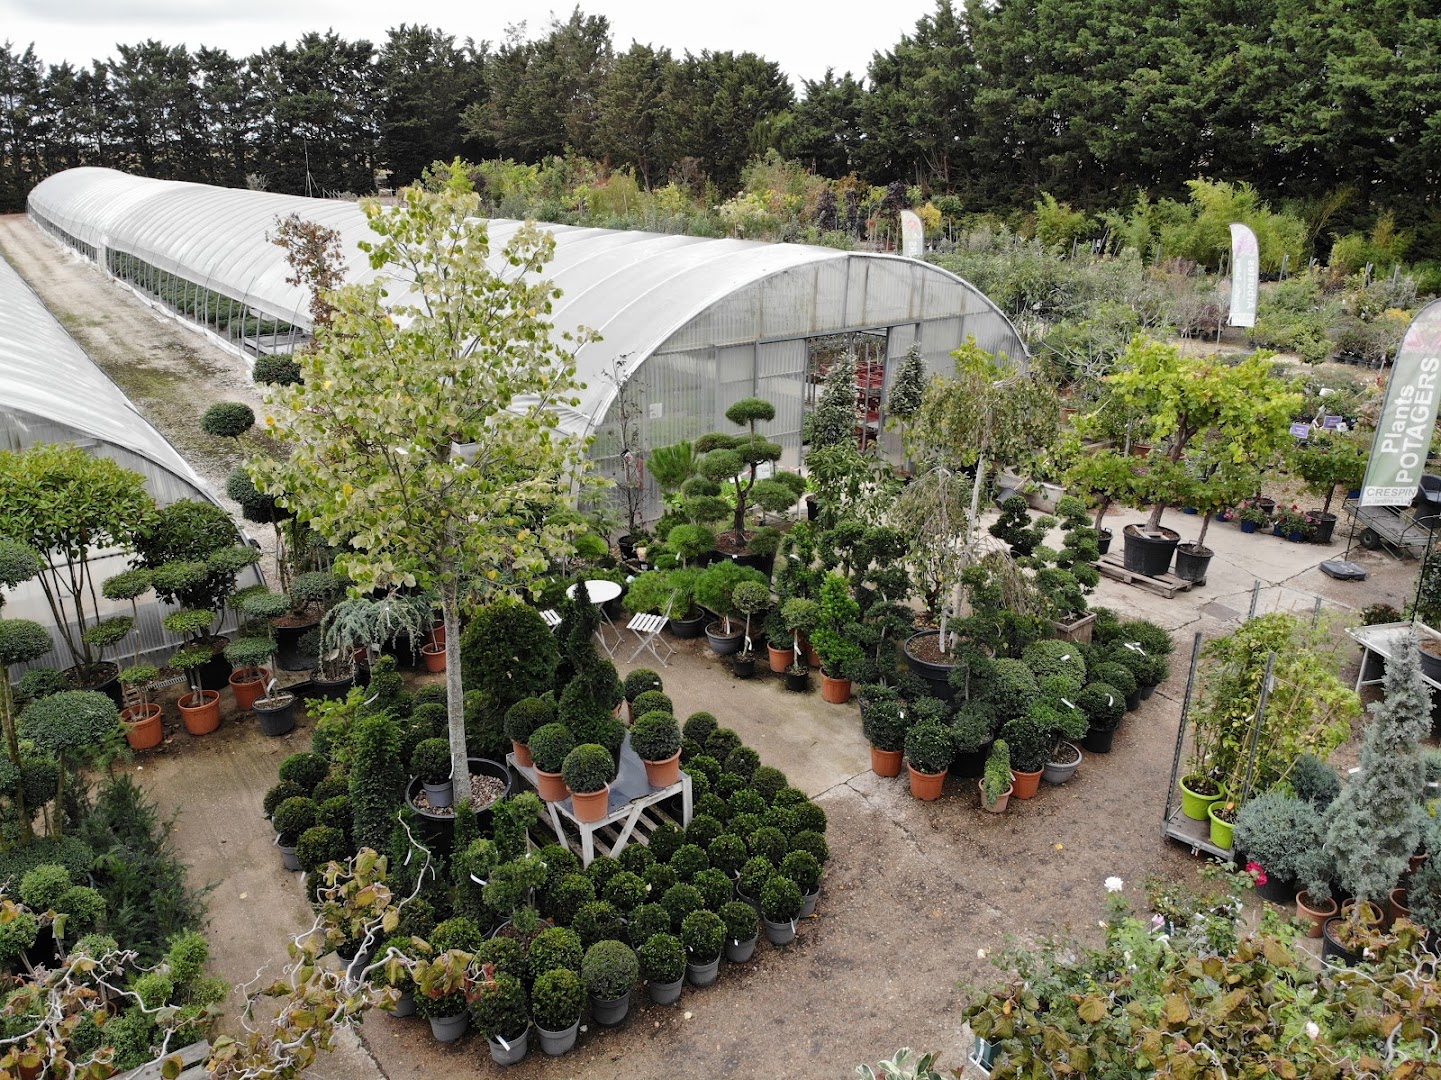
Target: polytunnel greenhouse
column 52, row 392
column 688, row 325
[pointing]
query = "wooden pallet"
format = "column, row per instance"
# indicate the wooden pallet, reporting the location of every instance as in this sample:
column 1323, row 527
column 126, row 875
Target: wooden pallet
column 1167, row 585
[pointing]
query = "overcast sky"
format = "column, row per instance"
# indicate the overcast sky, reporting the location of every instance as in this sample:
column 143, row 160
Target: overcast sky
column 803, row 36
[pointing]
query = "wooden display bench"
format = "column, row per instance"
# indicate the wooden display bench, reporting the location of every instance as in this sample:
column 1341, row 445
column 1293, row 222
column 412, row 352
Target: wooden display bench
column 635, row 810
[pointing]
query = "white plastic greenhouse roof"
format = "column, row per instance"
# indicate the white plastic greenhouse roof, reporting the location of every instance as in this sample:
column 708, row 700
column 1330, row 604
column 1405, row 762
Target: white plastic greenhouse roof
column 45, row 374
column 636, row 289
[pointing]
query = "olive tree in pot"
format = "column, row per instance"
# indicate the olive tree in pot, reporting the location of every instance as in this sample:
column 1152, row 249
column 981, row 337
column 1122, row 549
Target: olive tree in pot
column 929, row 748
column 609, row 971
column 499, row 1011
column 885, row 725
column 715, row 590
column 556, row 1001
column 1243, row 407
column 662, row 966
column 656, row 739
column 549, row 745
column 742, row 930
column 1374, row 827
column 588, row 771
column 704, row 936
column 430, row 762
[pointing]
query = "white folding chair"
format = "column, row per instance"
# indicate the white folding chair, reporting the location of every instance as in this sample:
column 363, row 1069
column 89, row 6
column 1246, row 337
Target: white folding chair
column 647, row 629
column 551, row 617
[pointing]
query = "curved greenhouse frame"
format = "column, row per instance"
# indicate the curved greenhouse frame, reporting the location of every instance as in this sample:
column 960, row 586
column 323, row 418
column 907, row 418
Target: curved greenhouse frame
column 688, row 325
column 52, row 392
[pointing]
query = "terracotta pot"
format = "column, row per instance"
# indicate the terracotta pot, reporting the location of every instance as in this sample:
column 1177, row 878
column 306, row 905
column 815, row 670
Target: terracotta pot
column 434, row 657
column 999, row 805
column 248, row 686
column 522, row 754
column 550, row 786
column 1417, row 861
column 1396, row 907
column 836, row 691
column 1024, row 785
column 437, row 635
column 780, row 659
column 201, row 719
column 1316, row 911
column 927, row 786
column 590, row 805
column 813, row 658
column 885, row 762
column 662, row 774
column 143, row 727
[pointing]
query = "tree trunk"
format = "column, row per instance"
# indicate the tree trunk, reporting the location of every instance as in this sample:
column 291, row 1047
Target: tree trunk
column 454, row 691
column 1154, row 521
column 1101, row 512
column 1326, row 506
column 1205, row 524
column 12, row 747
column 974, row 523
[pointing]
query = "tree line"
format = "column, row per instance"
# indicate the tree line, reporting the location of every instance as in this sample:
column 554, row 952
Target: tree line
column 1322, row 105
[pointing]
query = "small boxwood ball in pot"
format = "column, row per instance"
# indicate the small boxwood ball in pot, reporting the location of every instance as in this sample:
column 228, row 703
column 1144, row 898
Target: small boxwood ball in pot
column 601, row 869
column 813, row 842
column 639, row 681
column 702, row 830
column 715, row 886
column 721, row 742
column 557, row 947
column 704, row 934
column 665, row 839
column 660, row 877
column 636, row 857
column 526, row 717
column 609, row 969
column 652, row 701
column 587, row 768
column 728, row 853
column 743, row 761
column 740, row 920
column 662, row 958
column 549, row 746
column 802, row 868
column 680, row 900
column 557, row 999
column 598, row 921
column 645, row 922
column 781, row 899
column 626, row 891
column 699, row 726
column 754, row 875
column 567, row 896
column 769, row 843
column 431, row 761
column 655, row 737
column 929, row 748
column 688, row 861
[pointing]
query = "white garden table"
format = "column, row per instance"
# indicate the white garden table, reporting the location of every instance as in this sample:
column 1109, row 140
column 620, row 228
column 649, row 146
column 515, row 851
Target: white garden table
column 633, row 813
column 602, row 592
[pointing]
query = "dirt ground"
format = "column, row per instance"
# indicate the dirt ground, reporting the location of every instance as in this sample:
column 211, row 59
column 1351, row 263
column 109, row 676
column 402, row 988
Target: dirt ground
column 916, row 896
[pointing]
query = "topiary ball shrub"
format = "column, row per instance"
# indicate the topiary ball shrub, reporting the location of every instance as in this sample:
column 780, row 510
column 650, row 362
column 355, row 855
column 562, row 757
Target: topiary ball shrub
column 1117, row 676
column 527, row 716
column 660, row 877
column 42, row 886
column 808, row 817
column 688, row 861
column 305, row 769
column 655, row 736
column 499, row 1007
column 626, row 891
column 227, row 419
column 567, row 896
column 598, row 921
column 712, row 805
column 662, row 958
column 636, row 857
column 276, row 370
column 556, row 999
column 768, row 843
column 679, row 901
column 746, row 801
column 768, row 781
column 609, row 969
column 699, row 726
column 639, row 681
column 665, row 839
column 1104, row 705
column 753, row 876
column 720, row 742
column 1153, row 640
column 503, row 954
column 551, row 949
column 728, row 784
column 457, row 933
column 740, row 921
column 728, row 853
column 1012, row 688
column 813, row 842
column 645, row 922
column 652, row 701
column 781, row 899
column 601, row 869
column 292, row 817
column 704, row 765
column 549, row 746
column 431, row 761
column 702, row 830
column 17, row 935
column 929, row 748
column 802, row 868
column 1055, row 659
column 780, row 817
column 715, row 887
column 333, row 785
column 743, row 761
column 319, row 845
column 704, row 935
column 588, row 768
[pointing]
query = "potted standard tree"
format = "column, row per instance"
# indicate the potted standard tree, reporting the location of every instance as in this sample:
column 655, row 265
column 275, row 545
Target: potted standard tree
column 715, row 590
column 1326, row 461
column 750, row 598
column 248, row 656
column 144, row 729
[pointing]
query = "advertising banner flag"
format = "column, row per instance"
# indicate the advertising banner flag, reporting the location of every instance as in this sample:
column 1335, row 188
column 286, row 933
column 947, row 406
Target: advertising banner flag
column 913, row 242
column 1408, row 418
column 1245, row 275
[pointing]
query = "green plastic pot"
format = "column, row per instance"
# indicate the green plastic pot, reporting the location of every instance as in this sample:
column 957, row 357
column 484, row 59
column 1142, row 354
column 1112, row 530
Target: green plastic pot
column 1221, row 831
column 1195, row 805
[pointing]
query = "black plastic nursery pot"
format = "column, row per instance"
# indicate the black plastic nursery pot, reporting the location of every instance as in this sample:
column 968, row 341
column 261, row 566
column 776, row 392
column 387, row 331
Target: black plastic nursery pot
column 688, row 628
column 935, row 675
column 1192, row 562
column 744, row 666
column 1103, row 542
column 1149, row 551
column 215, row 672
column 1099, row 741
column 437, row 831
column 276, row 715
column 1323, row 526
column 332, row 689
column 798, row 681
column 970, row 763
column 287, row 647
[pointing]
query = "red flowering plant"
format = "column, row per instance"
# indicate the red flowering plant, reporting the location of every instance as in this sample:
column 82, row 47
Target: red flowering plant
column 1257, row 872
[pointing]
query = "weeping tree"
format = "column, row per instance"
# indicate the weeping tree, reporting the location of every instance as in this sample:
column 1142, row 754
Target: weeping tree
column 423, row 441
